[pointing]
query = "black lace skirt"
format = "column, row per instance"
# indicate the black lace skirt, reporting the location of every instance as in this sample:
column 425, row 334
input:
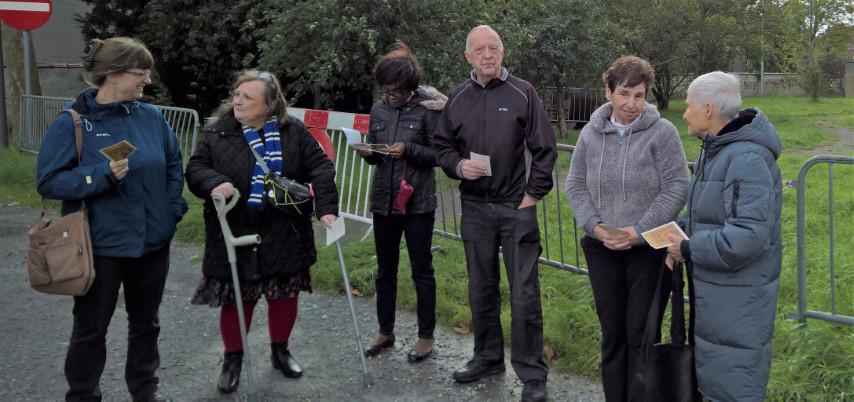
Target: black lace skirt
column 216, row 292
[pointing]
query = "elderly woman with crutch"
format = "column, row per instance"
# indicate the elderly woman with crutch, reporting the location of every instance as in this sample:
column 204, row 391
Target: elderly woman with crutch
column 250, row 135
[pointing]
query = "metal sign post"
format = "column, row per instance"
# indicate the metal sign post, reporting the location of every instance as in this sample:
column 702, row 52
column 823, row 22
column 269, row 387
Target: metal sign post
column 24, row 15
column 4, row 128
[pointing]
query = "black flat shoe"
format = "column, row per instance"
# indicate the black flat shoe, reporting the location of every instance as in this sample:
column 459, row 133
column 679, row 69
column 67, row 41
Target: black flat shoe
column 229, row 378
column 282, row 360
column 477, row 369
column 374, row 350
column 415, row 357
column 155, row 397
column 534, row 391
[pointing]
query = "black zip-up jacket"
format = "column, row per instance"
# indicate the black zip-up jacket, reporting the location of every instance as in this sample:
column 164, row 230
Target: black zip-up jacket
column 287, row 242
column 413, row 124
column 504, row 120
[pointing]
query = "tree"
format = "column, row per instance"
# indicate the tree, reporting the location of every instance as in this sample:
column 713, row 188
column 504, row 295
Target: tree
column 567, row 43
column 197, row 53
column 109, row 18
column 326, row 49
column 13, row 54
column 817, row 17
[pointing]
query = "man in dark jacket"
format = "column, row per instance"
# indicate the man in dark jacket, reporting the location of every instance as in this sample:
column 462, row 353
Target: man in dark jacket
column 735, row 245
column 494, row 136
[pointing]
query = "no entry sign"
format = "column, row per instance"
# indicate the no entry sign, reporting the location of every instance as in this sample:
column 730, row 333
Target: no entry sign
column 25, row 15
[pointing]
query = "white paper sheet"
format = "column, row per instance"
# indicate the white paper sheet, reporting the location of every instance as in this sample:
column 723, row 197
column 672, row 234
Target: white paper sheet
column 353, row 136
column 336, row 231
column 483, row 160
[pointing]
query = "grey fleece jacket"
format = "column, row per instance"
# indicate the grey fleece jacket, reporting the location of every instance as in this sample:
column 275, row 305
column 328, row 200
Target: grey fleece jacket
column 638, row 179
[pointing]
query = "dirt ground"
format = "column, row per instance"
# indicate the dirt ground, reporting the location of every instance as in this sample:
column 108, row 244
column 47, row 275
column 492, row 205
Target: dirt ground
column 36, row 328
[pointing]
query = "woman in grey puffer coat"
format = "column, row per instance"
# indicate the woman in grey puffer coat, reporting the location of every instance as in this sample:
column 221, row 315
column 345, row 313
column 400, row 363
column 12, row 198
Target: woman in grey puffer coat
column 628, row 174
column 735, row 247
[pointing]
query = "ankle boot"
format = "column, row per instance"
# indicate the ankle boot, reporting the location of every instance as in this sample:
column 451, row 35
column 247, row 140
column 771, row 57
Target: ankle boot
column 229, row 379
column 282, row 360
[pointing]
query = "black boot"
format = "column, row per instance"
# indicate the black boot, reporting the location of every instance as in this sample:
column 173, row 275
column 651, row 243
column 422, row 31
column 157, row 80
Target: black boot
column 282, row 360
column 229, row 379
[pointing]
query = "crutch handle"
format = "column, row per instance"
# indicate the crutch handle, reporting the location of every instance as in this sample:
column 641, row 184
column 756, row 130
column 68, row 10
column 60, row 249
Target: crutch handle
column 231, row 242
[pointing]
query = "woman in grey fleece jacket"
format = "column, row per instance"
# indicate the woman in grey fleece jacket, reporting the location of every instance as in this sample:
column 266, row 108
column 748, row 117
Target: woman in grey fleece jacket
column 628, row 174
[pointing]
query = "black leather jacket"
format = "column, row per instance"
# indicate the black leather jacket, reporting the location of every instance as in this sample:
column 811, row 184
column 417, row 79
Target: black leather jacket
column 412, row 124
column 287, row 242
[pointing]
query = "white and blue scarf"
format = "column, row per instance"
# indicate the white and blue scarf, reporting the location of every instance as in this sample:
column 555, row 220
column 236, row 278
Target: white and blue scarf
column 271, row 150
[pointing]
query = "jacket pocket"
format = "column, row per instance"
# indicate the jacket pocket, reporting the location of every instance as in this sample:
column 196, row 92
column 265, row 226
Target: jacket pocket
column 377, row 129
column 734, row 204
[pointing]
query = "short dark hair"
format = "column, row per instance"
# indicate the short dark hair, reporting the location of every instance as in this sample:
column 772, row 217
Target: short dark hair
column 114, row 55
column 629, row 71
column 398, row 67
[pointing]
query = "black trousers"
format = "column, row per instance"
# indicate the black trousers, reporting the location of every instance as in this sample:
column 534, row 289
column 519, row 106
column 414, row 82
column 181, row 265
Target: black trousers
column 623, row 286
column 485, row 227
column 143, row 280
column 418, row 229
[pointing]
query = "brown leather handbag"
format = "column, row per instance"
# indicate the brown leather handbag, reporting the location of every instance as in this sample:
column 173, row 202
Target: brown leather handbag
column 59, row 260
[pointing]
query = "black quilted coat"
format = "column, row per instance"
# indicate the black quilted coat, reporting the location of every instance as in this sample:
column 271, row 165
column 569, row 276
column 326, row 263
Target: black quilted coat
column 413, row 125
column 287, row 243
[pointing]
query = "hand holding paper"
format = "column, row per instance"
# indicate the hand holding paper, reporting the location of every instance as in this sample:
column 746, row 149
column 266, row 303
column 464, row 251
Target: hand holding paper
column 483, row 160
column 118, row 151
column 354, row 140
column 658, row 237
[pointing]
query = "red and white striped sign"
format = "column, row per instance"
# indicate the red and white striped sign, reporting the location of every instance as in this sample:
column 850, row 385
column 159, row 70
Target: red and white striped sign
column 318, row 121
column 25, row 14
column 324, row 119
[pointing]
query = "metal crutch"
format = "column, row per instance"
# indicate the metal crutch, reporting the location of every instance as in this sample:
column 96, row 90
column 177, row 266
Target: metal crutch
column 366, row 375
column 326, row 144
column 230, row 243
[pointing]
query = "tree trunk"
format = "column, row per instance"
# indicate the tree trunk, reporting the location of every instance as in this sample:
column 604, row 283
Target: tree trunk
column 663, row 88
column 13, row 56
column 561, row 111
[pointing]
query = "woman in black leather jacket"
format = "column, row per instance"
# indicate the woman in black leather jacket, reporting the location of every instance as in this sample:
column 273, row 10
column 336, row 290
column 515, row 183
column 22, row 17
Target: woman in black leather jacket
column 277, row 268
column 404, row 119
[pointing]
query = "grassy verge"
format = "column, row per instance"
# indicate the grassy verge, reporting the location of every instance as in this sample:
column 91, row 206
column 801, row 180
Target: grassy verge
column 811, row 362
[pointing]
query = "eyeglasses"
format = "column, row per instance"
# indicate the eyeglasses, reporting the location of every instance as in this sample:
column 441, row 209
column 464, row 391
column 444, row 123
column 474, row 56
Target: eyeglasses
column 397, row 93
column 142, row 74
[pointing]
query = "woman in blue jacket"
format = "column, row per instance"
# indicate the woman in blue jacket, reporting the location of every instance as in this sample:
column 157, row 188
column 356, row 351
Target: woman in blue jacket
column 133, row 203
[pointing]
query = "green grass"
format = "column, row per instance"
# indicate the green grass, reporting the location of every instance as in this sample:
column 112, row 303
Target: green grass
column 18, row 178
column 811, row 362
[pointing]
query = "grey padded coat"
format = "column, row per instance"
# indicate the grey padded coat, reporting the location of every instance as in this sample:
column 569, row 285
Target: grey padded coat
column 733, row 222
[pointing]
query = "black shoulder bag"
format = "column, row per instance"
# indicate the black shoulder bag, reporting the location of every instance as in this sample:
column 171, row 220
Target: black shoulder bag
column 666, row 370
column 286, row 194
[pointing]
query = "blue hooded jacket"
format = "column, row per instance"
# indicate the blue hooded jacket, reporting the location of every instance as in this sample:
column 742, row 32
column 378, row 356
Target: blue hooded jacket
column 130, row 217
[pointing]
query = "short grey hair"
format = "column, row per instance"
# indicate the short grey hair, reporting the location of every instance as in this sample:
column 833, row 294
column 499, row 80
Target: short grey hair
column 482, row 28
column 719, row 89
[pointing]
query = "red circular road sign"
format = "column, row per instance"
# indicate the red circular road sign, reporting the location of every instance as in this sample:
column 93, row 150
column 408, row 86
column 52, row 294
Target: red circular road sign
column 25, row 14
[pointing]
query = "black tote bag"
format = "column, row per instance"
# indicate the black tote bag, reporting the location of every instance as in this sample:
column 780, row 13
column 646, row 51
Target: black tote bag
column 667, row 370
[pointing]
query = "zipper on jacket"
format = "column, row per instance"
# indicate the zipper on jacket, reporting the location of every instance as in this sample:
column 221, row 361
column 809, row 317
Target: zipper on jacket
column 698, row 175
column 734, row 206
column 393, row 137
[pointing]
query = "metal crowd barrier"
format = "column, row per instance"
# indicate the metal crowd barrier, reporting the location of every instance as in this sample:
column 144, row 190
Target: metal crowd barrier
column 38, row 112
column 578, row 103
column 558, row 233
column 803, row 313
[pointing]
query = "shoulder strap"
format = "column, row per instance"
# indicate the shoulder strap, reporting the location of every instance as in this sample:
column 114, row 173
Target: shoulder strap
column 78, row 147
column 261, row 161
column 78, row 133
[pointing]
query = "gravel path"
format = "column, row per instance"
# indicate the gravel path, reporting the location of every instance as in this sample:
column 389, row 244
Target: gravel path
column 35, row 328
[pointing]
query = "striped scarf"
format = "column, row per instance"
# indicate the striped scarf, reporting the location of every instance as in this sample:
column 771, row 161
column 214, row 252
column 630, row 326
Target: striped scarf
column 271, row 150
